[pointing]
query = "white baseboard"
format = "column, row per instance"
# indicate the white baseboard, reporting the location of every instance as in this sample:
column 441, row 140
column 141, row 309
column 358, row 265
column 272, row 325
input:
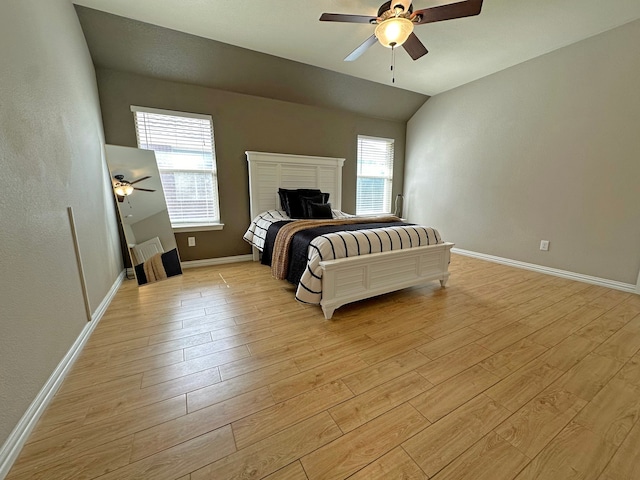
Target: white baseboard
column 216, row 261
column 13, row 445
column 579, row 277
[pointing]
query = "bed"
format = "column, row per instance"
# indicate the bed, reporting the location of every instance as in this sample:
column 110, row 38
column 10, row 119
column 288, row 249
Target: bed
column 343, row 280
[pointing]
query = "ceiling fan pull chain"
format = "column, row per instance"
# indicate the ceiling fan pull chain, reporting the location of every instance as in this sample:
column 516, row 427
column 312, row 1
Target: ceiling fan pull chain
column 393, row 64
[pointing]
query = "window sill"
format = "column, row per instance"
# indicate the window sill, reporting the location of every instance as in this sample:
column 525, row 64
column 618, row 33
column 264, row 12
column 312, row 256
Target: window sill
column 197, row 228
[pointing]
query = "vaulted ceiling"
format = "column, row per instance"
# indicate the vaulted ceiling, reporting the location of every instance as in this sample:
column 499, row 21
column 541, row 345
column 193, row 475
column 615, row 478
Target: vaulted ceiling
column 278, row 49
column 507, row 32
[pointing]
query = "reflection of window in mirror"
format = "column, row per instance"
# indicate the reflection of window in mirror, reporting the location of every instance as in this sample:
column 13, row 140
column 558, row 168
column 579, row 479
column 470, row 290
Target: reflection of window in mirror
column 185, row 152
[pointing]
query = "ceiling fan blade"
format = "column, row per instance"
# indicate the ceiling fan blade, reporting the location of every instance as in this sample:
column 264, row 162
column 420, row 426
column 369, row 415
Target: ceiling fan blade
column 143, row 189
column 468, row 8
column 140, row 179
column 361, row 49
column 339, row 17
column 414, row 47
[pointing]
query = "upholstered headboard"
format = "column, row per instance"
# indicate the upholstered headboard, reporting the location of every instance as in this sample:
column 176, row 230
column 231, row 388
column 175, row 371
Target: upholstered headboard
column 270, row 171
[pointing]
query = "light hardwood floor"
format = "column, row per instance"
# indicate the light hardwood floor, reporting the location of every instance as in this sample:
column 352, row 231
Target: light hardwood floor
column 220, row 374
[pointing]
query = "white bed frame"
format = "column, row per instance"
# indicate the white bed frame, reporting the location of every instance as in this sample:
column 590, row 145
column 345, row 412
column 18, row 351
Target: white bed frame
column 344, row 280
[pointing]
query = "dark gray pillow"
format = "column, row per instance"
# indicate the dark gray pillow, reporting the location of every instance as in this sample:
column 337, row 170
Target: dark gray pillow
column 319, row 210
column 320, row 198
column 283, row 200
column 293, row 202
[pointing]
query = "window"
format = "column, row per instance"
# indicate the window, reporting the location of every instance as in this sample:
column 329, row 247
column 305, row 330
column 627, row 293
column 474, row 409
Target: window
column 375, row 175
column 184, row 148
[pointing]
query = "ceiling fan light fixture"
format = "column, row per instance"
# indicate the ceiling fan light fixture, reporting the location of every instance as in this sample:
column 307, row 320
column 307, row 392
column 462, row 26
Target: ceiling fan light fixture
column 402, row 4
column 394, row 31
column 123, row 189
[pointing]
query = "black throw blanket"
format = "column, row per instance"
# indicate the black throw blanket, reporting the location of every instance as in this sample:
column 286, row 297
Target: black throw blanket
column 270, row 240
column 301, row 240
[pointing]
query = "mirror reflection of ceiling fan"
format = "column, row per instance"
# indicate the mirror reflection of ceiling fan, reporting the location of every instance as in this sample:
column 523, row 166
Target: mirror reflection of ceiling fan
column 395, row 22
column 123, row 188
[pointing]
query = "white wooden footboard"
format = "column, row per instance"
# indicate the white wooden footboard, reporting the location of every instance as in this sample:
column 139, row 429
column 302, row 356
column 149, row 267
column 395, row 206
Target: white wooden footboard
column 350, row 279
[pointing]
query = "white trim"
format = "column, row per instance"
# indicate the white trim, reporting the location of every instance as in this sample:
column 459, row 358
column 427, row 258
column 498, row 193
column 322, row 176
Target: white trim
column 371, row 137
column 197, row 228
column 102, row 308
column 216, row 261
column 18, row 437
column 159, row 111
column 638, row 284
column 579, row 277
column 291, row 158
column 366, row 146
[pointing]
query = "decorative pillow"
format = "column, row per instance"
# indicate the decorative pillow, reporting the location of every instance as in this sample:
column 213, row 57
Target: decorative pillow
column 282, row 193
column 319, row 210
column 292, row 202
column 320, row 198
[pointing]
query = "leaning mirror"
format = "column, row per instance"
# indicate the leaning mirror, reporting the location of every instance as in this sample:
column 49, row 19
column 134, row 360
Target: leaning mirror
column 143, row 213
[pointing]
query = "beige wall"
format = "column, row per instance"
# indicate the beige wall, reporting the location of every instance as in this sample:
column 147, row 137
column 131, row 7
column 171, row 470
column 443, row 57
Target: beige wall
column 241, row 123
column 548, row 149
column 51, row 155
column 127, row 45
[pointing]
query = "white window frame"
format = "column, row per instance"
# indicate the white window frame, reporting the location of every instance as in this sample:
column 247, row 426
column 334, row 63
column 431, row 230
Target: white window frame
column 215, row 224
column 386, row 175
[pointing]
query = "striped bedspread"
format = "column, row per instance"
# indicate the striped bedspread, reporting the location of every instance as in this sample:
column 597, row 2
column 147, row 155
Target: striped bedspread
column 282, row 248
column 256, row 234
column 361, row 242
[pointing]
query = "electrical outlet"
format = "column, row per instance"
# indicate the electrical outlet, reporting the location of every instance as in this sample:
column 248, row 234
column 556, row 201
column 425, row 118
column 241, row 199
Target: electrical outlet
column 192, row 241
column 544, row 245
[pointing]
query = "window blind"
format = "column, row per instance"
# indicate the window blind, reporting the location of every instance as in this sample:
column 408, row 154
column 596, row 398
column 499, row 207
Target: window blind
column 184, row 148
column 375, row 175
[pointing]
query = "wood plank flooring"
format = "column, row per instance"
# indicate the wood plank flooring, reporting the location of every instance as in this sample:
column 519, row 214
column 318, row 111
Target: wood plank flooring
column 220, row 374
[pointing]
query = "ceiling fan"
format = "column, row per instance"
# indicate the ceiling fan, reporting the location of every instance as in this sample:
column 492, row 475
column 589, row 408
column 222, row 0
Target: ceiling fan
column 123, row 188
column 395, row 22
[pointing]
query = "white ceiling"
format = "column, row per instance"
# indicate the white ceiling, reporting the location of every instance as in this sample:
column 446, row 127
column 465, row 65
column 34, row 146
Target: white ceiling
column 507, row 32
